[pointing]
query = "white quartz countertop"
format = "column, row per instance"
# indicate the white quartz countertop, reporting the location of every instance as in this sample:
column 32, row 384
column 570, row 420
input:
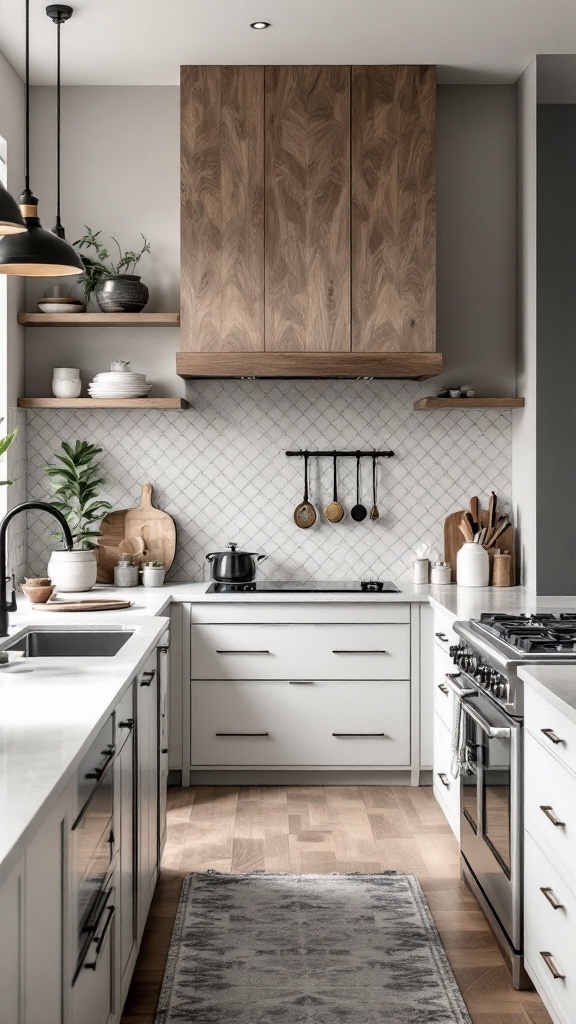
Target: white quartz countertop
column 555, row 683
column 49, row 710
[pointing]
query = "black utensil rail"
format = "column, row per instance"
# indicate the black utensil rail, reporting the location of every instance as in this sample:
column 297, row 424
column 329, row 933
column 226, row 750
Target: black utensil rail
column 332, row 452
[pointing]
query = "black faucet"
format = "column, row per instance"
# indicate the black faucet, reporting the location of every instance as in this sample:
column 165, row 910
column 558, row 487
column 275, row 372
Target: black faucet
column 26, row 506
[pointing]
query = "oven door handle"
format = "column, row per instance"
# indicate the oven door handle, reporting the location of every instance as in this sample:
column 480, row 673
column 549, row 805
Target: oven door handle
column 457, row 688
column 493, row 732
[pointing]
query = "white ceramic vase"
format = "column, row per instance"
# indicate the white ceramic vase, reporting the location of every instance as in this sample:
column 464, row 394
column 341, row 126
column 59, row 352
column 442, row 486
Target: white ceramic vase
column 153, row 576
column 472, row 566
column 73, row 571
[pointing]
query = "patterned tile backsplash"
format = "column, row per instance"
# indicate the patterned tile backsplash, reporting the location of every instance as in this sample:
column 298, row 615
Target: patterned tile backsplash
column 16, row 471
column 220, row 470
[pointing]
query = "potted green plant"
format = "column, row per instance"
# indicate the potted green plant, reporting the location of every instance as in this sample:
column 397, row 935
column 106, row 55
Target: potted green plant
column 5, row 443
column 76, row 477
column 117, row 288
column 153, row 574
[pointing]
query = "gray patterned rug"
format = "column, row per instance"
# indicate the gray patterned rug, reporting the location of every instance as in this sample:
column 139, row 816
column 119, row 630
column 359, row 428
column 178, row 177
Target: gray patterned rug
column 293, row 949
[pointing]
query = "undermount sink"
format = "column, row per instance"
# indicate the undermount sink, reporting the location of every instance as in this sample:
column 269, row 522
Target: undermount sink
column 70, row 643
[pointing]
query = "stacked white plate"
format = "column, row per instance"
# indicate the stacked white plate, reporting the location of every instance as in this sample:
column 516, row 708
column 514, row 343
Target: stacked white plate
column 119, row 385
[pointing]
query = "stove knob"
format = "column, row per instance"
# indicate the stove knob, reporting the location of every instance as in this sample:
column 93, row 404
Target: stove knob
column 499, row 690
column 454, row 651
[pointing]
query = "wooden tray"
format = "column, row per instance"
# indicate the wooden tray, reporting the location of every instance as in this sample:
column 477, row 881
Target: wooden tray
column 154, row 527
column 453, row 541
column 104, row 605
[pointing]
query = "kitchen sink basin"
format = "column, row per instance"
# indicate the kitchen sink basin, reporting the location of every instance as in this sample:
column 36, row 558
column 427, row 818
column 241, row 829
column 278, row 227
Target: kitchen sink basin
column 70, row 643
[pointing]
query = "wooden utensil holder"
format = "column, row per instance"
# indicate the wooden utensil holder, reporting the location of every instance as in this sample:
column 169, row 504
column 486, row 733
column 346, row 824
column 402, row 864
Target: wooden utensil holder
column 453, row 541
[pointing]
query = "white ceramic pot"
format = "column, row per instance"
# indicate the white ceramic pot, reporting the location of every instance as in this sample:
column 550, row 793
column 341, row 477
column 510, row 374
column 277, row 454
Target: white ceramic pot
column 73, row 571
column 66, row 388
column 472, row 566
column 65, row 373
column 153, row 576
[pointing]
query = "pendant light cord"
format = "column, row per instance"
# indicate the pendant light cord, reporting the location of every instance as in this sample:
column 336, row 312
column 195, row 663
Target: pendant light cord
column 58, row 221
column 27, row 144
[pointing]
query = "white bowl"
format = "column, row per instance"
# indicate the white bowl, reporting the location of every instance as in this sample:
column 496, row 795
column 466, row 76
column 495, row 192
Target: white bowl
column 65, row 373
column 61, row 307
column 66, row 388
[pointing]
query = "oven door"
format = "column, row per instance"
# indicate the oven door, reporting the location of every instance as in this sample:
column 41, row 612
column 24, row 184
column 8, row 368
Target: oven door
column 491, row 809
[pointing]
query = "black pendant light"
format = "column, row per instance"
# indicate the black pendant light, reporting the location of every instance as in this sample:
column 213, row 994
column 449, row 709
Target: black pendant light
column 58, row 13
column 35, row 252
column 11, row 220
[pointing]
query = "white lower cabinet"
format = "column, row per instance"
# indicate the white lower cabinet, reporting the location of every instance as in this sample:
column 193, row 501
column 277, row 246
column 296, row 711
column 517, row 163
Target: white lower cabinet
column 314, row 722
column 446, row 787
column 147, row 787
column 94, row 995
column 12, row 947
column 550, row 856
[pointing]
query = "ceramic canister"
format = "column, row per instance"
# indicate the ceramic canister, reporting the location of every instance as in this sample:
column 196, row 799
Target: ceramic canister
column 472, row 566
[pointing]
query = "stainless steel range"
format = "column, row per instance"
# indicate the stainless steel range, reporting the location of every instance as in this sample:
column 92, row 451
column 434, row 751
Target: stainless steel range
column 491, row 703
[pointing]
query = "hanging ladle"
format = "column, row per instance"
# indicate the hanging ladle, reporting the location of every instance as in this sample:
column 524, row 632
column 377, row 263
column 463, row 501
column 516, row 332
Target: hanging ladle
column 359, row 512
column 305, row 513
column 374, row 513
column 334, row 511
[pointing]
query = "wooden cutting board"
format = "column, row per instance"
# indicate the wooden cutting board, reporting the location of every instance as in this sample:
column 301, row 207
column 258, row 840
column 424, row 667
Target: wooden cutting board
column 453, row 541
column 156, row 528
column 104, row 605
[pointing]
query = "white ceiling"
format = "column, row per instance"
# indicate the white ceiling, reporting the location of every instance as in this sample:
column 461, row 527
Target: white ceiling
column 143, row 42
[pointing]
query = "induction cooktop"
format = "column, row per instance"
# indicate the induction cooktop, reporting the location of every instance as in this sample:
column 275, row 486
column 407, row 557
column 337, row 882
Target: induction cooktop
column 310, row 586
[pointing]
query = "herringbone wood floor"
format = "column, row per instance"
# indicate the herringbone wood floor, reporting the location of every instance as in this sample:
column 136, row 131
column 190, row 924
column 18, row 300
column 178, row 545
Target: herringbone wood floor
column 317, row 829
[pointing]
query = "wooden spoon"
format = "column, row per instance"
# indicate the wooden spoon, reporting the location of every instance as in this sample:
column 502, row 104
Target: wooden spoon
column 374, row 513
column 334, row 511
column 305, row 513
column 359, row 512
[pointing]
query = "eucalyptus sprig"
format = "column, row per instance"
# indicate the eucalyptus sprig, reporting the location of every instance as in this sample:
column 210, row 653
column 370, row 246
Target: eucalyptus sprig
column 95, row 270
column 75, row 481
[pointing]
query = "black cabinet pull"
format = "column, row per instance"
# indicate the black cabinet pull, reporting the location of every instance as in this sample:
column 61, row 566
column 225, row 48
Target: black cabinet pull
column 242, row 734
column 242, row 652
column 147, row 678
column 128, row 724
column 441, row 636
column 443, row 689
column 549, row 961
column 164, row 750
column 551, row 735
column 359, row 652
column 443, row 779
column 301, row 682
column 549, row 812
column 100, row 941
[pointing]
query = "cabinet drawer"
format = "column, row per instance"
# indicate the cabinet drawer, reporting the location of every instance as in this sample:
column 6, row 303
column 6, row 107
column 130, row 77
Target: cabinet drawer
column 322, row 723
column 550, row 796
column 265, row 651
column 549, row 930
column 553, row 730
column 446, row 788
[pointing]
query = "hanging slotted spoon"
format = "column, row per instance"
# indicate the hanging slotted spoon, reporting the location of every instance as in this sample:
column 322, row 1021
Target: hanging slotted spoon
column 305, row 513
column 334, row 511
column 359, row 512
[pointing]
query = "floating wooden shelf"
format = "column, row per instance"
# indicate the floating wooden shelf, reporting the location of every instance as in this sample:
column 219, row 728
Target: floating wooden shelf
column 103, row 403
column 98, row 319
column 469, row 403
column 319, row 365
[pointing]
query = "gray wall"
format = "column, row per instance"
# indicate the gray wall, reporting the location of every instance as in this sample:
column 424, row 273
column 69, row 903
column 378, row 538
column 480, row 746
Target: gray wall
column 556, row 356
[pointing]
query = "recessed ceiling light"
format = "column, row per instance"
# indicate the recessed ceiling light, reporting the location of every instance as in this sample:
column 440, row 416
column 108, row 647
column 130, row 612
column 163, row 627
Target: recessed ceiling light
column 260, row 24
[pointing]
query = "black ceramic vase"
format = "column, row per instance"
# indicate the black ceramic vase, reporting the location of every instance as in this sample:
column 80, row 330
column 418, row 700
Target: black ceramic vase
column 122, row 293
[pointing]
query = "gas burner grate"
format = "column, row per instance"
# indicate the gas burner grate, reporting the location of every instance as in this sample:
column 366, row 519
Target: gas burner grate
column 540, row 633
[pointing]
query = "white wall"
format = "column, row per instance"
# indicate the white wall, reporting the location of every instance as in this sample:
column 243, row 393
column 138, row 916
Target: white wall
column 524, row 423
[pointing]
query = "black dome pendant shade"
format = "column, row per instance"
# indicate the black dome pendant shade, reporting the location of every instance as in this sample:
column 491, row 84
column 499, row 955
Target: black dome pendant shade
column 11, row 220
column 35, row 252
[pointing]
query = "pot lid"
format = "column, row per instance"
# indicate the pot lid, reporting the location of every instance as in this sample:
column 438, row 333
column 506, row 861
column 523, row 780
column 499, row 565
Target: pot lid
column 232, row 550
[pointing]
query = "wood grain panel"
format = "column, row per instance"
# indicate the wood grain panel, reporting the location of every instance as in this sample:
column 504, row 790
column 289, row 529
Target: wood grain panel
column 290, row 365
column 393, row 209
column 222, row 212
column 307, row 247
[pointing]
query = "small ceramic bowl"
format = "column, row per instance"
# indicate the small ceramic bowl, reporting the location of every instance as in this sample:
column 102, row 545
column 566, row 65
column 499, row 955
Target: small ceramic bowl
column 37, row 595
column 61, row 307
column 37, row 581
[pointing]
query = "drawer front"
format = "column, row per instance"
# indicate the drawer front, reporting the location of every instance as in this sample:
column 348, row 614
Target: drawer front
column 553, row 730
column 444, row 699
column 548, row 785
column 325, row 723
column 298, row 610
column 446, row 788
column 300, row 652
column 549, row 930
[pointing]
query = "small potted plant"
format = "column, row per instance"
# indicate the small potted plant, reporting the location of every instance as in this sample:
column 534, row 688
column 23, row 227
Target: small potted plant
column 76, row 478
column 153, row 574
column 5, row 443
column 118, row 289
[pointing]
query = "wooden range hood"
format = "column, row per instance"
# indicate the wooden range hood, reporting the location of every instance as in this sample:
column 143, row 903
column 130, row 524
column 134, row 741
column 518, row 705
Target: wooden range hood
column 308, row 222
